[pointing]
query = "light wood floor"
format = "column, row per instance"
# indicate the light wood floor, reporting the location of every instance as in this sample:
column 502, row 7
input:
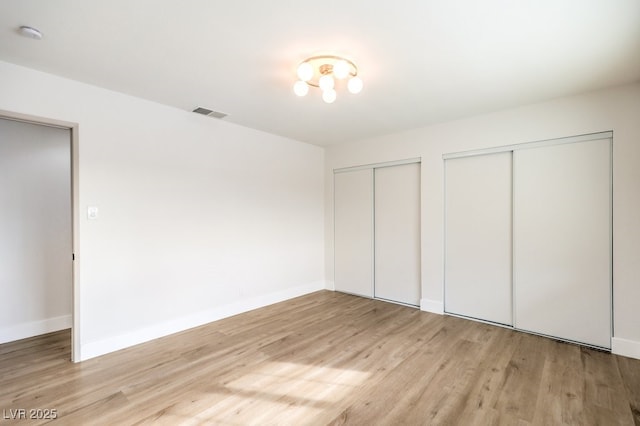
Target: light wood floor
column 326, row 358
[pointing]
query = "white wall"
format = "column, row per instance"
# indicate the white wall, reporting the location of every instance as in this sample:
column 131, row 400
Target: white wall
column 615, row 109
column 35, row 230
column 198, row 218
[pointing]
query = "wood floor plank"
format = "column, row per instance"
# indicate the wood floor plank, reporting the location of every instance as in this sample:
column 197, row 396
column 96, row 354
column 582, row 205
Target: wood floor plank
column 397, row 390
column 521, row 384
column 562, row 386
column 326, row 358
column 489, row 374
column 630, row 372
column 605, row 394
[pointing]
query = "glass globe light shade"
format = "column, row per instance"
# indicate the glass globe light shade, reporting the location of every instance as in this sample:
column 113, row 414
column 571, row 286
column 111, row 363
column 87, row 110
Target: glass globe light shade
column 355, row 85
column 326, row 82
column 341, row 69
column 305, row 71
column 329, row 96
column 300, row 88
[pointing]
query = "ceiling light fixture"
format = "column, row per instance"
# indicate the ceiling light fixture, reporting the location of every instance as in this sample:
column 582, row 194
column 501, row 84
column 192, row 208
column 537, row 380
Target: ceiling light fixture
column 326, row 72
column 30, row 32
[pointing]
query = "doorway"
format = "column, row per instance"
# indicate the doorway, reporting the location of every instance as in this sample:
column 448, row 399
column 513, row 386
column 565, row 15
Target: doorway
column 38, row 164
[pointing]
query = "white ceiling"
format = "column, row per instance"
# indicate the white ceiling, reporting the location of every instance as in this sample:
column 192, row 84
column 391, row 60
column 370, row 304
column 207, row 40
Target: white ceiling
column 422, row 61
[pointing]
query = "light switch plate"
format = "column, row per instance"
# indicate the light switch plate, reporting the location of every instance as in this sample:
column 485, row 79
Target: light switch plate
column 92, row 212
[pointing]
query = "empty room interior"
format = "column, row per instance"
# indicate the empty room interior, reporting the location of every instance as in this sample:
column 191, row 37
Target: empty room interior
column 340, row 212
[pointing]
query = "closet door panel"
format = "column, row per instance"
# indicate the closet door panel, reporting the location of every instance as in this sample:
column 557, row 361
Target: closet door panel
column 562, row 244
column 397, row 233
column 353, row 198
column 478, row 237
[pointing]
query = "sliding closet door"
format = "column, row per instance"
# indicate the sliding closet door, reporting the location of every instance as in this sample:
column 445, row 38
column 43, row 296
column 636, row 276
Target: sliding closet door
column 562, row 244
column 353, row 198
column 397, row 233
column 478, row 237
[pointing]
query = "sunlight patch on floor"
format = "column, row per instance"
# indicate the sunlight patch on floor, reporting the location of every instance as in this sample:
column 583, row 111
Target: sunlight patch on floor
column 274, row 393
column 308, row 382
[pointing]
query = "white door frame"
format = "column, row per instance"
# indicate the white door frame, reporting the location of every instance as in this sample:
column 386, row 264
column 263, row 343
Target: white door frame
column 75, row 219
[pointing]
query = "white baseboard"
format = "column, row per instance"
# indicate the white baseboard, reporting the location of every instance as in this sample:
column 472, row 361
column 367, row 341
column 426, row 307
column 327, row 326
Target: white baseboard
column 112, row 344
column 34, row 328
column 433, row 306
column 624, row 347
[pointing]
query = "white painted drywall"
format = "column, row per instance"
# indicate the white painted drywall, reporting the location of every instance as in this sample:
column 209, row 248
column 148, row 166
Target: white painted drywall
column 614, row 109
column 35, row 230
column 198, row 218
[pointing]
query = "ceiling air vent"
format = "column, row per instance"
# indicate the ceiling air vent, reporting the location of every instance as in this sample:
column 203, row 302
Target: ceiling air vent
column 209, row 113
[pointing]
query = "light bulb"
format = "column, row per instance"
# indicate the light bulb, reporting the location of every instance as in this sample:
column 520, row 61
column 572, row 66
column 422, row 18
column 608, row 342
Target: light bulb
column 355, row 85
column 326, row 82
column 341, row 69
column 305, row 71
column 300, row 88
column 329, row 96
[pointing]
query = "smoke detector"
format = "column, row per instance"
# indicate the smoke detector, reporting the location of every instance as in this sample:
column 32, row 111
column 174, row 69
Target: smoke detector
column 209, row 113
column 30, row 32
